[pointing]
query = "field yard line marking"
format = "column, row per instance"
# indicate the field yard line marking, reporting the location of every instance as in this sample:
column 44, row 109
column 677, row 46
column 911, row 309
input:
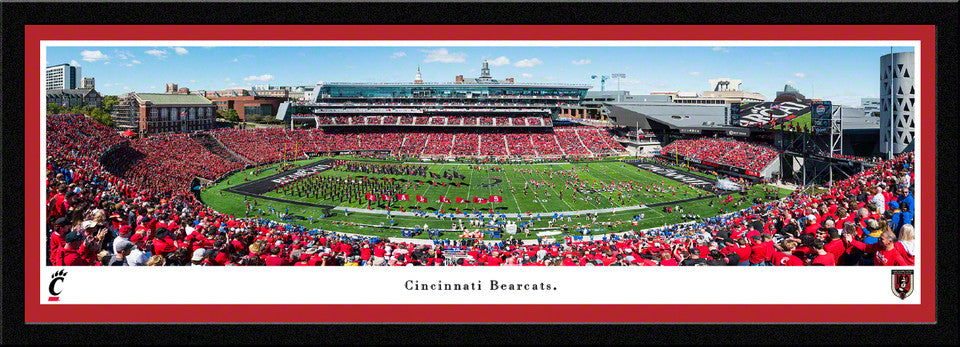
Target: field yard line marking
column 598, row 207
column 641, row 176
column 555, row 192
column 611, row 193
column 538, row 200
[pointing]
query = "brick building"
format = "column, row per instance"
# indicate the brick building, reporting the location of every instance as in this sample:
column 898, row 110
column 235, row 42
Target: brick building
column 74, row 97
column 159, row 113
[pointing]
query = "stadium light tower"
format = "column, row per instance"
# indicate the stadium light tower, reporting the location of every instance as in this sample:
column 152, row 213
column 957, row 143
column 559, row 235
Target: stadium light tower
column 618, row 76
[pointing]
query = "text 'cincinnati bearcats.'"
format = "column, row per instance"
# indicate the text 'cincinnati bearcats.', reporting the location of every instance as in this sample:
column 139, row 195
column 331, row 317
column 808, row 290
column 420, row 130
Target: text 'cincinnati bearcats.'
column 478, row 285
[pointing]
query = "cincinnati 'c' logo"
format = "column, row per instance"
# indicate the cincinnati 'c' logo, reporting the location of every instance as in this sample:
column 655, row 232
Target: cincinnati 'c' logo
column 54, row 289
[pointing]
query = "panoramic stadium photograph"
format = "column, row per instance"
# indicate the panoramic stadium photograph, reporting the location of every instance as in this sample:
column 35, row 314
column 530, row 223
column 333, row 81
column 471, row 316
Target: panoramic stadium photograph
column 480, row 155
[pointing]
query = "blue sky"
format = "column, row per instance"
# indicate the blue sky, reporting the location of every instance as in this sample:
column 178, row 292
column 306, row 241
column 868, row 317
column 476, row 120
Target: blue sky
column 841, row 74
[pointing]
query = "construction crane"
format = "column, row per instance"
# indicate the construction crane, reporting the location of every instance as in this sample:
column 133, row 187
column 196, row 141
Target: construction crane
column 603, row 80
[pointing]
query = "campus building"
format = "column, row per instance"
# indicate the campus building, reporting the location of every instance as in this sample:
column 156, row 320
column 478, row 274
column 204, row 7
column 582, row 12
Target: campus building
column 152, row 113
column 74, row 97
column 63, row 76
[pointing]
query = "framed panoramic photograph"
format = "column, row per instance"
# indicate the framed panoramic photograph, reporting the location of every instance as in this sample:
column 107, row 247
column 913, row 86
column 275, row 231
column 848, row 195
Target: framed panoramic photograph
column 478, row 173
column 554, row 166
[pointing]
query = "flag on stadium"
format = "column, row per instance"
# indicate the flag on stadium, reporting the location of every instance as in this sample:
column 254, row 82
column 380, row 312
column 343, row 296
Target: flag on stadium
column 421, row 198
column 461, row 200
column 371, row 197
column 479, row 200
column 384, row 197
column 444, row 199
column 403, row 197
column 496, row 199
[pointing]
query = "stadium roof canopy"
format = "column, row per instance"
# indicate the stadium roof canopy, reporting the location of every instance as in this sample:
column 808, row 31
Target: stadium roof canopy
column 172, row 99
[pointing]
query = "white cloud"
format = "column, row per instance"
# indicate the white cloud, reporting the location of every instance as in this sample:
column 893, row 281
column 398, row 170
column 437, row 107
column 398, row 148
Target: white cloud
column 581, row 62
column 92, row 56
column 135, row 61
column 226, row 79
column 790, row 82
column 106, row 63
column 192, row 81
column 694, row 73
column 153, row 87
column 550, row 78
column 261, row 78
column 159, row 53
column 208, row 47
column 721, row 49
column 129, row 65
column 236, row 60
column 231, row 84
column 528, row 62
column 180, row 50
column 444, row 56
column 800, row 74
column 396, row 55
column 526, row 75
column 74, row 63
column 499, row 61
column 126, row 88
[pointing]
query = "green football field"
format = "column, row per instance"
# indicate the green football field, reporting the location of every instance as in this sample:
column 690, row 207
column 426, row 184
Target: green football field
column 477, row 183
column 803, row 121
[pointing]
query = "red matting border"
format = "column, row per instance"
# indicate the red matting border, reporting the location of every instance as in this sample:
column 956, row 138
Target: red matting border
column 34, row 312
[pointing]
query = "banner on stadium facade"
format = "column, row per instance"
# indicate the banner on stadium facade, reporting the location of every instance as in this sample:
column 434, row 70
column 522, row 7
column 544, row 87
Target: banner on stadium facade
column 690, row 131
column 710, row 164
column 763, row 114
column 752, row 173
column 693, row 160
column 742, row 133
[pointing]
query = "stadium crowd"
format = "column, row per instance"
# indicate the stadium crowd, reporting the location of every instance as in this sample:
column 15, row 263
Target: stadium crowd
column 725, row 151
column 148, row 217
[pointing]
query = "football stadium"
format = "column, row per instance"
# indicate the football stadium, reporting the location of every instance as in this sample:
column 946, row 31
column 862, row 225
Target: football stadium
column 486, row 172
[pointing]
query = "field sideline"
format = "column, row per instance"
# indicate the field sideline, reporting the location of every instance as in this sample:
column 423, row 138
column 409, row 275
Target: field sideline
column 360, row 222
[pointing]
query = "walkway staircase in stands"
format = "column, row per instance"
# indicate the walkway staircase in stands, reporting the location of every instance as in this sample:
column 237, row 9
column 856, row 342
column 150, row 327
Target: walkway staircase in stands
column 212, row 144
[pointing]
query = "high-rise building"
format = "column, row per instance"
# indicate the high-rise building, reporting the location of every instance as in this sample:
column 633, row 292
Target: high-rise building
column 86, row 83
column 63, row 76
column 897, row 96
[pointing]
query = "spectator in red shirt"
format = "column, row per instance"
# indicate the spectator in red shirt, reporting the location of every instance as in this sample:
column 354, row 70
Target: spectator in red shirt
column 884, row 251
column 823, row 257
column 835, row 244
column 758, row 252
column 785, row 257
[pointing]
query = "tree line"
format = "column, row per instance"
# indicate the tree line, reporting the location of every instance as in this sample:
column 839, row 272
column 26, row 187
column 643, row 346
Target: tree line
column 99, row 113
